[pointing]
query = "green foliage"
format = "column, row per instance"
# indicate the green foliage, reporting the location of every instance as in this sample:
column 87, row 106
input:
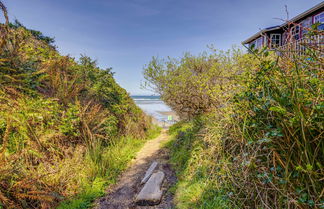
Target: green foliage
column 109, row 167
column 282, row 112
column 85, row 199
column 37, row 34
column 126, row 149
column 258, row 143
column 70, row 121
column 62, row 124
column 190, row 154
column 194, row 85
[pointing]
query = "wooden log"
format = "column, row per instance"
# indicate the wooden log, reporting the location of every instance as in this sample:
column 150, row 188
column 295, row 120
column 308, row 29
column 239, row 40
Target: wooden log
column 151, row 193
column 149, row 172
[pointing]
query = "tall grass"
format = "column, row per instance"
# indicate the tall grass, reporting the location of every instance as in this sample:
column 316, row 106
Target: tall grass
column 284, row 114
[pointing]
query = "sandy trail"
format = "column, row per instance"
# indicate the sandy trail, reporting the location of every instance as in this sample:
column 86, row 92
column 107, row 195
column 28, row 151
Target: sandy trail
column 122, row 195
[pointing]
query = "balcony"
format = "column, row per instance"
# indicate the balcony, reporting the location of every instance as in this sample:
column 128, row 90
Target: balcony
column 299, row 47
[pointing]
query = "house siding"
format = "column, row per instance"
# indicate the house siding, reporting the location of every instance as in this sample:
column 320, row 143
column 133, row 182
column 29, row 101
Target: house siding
column 305, row 21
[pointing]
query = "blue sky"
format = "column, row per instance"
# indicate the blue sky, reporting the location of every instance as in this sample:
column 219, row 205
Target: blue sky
column 125, row 34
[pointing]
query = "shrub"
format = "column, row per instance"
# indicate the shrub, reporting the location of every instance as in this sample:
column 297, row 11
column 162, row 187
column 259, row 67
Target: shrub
column 280, row 115
column 197, row 84
column 58, row 120
column 261, row 146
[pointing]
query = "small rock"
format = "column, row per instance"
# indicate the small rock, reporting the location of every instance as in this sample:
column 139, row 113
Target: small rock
column 151, row 193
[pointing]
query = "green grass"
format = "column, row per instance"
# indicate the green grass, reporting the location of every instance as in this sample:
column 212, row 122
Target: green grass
column 115, row 157
column 196, row 188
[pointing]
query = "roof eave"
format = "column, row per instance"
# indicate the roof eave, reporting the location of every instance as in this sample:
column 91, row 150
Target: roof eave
column 259, row 34
column 252, row 38
column 304, row 14
column 298, row 17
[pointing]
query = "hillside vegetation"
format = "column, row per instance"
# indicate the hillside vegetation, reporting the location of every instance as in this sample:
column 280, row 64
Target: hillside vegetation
column 67, row 129
column 252, row 128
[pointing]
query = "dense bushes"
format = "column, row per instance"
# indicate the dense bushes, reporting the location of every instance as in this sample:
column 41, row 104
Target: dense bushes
column 283, row 124
column 196, row 84
column 262, row 145
column 62, row 122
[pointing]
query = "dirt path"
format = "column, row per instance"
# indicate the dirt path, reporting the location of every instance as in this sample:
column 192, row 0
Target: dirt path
column 122, row 195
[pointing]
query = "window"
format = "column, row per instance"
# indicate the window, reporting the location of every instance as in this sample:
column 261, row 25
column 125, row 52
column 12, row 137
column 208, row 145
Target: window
column 275, row 40
column 319, row 19
column 306, row 24
column 257, row 44
column 295, row 32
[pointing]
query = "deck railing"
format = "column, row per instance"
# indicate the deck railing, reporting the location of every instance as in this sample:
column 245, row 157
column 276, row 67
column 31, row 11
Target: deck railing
column 299, row 47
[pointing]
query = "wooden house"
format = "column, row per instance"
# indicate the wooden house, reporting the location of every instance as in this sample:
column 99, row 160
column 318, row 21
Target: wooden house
column 292, row 31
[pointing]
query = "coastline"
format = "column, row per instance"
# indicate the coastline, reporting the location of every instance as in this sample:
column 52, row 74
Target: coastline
column 170, row 113
column 157, row 109
column 166, row 123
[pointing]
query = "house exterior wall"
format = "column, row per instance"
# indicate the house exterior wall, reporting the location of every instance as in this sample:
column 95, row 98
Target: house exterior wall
column 289, row 31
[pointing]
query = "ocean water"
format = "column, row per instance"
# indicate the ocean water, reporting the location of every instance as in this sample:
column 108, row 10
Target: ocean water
column 152, row 105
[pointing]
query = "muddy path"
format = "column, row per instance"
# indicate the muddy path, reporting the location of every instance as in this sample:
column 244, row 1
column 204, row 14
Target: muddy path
column 122, row 195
